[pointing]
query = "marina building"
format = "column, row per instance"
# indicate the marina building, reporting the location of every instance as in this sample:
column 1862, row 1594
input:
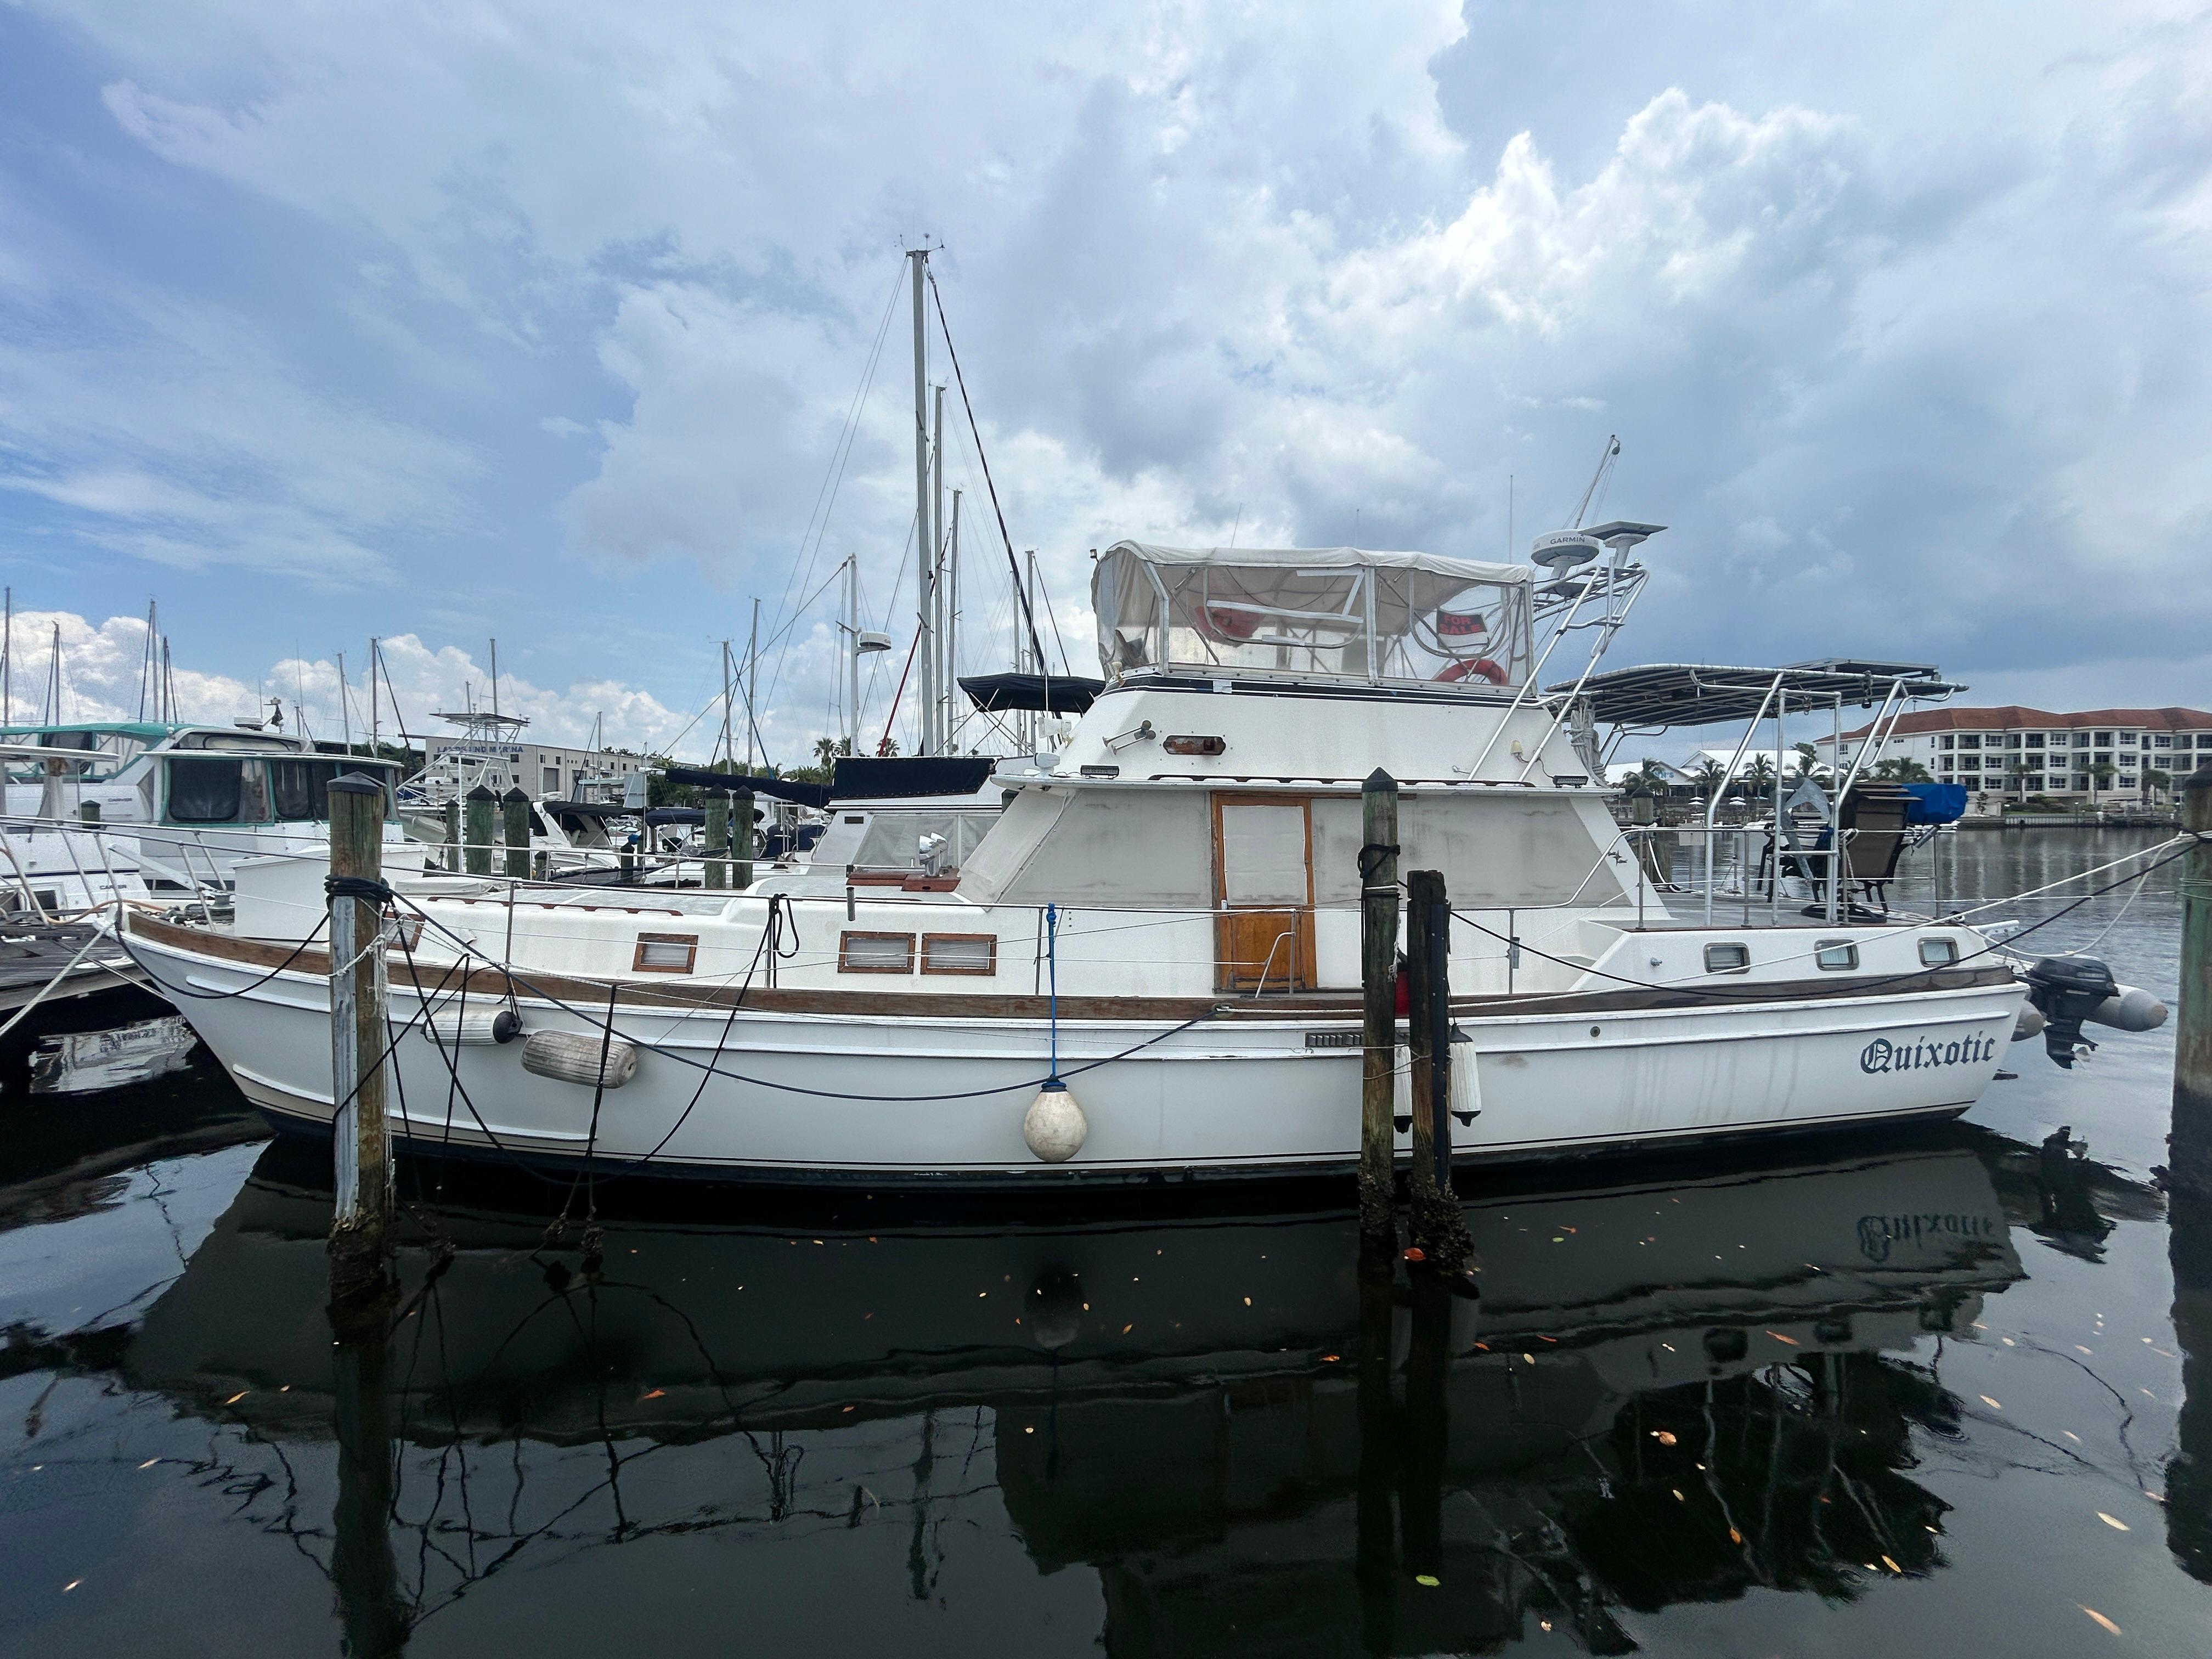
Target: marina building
column 2012, row 752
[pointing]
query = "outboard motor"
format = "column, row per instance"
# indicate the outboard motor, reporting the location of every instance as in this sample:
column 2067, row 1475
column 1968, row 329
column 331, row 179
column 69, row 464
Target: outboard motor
column 2068, row 990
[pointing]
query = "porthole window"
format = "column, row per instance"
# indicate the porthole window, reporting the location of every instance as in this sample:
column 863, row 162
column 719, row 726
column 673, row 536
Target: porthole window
column 1836, row 955
column 1728, row 958
column 1938, row 952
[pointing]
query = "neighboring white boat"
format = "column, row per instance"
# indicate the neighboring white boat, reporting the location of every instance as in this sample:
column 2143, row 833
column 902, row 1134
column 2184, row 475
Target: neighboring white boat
column 178, row 806
column 1164, row 917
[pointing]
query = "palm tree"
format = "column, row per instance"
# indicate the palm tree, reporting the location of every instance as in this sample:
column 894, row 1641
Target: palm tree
column 1903, row 769
column 2101, row 772
column 1711, row 779
column 2156, row 781
column 1758, row 777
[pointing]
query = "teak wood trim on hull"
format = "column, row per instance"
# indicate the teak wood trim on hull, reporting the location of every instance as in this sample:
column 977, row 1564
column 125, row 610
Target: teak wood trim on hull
column 263, row 955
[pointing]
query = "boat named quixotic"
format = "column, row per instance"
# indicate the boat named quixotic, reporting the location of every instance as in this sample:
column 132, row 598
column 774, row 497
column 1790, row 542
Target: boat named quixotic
column 1165, row 918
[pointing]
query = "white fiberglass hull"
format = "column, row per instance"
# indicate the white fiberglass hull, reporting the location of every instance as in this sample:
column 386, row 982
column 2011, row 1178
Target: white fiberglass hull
column 888, row 1096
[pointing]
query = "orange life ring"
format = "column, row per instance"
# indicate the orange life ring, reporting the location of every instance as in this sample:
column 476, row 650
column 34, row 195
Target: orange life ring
column 1465, row 665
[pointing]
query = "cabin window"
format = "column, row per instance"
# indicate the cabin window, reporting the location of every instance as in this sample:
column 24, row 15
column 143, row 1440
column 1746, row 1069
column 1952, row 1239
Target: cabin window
column 959, row 953
column 1728, row 958
column 299, row 788
column 1836, row 955
column 665, row 953
column 209, row 791
column 1938, row 952
column 875, row 953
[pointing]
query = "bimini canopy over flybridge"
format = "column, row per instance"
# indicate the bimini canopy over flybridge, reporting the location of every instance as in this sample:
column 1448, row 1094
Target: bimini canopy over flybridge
column 1338, row 613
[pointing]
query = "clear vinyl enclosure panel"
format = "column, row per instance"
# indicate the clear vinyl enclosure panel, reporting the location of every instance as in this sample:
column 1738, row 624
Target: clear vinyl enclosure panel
column 1342, row 612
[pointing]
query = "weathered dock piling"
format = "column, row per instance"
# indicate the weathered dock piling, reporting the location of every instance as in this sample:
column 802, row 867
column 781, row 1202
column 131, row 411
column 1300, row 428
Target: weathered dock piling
column 514, row 811
column 1438, row 1228
column 477, row 840
column 360, row 1217
column 453, row 836
column 2190, row 1148
column 717, row 841
column 2189, row 1180
column 1378, row 976
column 741, row 838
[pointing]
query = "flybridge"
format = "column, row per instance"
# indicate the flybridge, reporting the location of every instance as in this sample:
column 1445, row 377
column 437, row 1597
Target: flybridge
column 1339, row 612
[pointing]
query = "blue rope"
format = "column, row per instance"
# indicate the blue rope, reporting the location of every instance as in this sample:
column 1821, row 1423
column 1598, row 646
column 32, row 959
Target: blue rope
column 1052, row 994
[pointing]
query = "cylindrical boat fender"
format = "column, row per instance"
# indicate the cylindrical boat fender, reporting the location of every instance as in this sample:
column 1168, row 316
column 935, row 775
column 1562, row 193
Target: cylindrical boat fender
column 574, row 1057
column 2029, row 1024
column 2132, row 1009
column 479, row 1025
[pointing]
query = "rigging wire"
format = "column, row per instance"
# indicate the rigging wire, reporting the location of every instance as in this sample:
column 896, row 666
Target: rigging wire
column 1013, row 565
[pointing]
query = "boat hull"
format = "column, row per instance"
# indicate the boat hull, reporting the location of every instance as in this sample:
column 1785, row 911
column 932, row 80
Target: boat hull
column 745, row 1092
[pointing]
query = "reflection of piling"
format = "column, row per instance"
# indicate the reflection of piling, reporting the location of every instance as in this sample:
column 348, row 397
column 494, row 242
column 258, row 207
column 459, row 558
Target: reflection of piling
column 2191, row 1158
column 514, row 811
column 477, row 842
column 716, row 841
column 371, row 1611
column 2189, row 1474
column 1375, row 1550
column 1421, row 1446
column 1379, row 977
column 361, row 1135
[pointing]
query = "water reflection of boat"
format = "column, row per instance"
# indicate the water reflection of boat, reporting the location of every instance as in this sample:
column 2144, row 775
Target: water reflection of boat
column 1182, row 1405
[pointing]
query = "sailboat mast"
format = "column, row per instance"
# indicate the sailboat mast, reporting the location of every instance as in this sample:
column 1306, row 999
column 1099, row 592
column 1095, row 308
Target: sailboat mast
column 853, row 654
column 7, row 663
column 923, row 541
column 726, row 714
column 495, row 678
column 753, row 682
column 345, row 707
column 372, row 695
column 940, row 721
column 952, row 621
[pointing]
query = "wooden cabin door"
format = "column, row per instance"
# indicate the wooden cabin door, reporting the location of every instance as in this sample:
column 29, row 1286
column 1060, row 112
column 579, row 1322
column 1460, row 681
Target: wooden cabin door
column 1263, row 886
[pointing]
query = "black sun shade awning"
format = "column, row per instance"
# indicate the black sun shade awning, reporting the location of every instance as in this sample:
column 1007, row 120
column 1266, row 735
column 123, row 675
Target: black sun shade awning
column 807, row 795
column 1050, row 694
column 1703, row 694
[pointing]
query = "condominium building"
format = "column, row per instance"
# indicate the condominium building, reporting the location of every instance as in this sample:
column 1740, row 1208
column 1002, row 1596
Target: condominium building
column 2011, row 752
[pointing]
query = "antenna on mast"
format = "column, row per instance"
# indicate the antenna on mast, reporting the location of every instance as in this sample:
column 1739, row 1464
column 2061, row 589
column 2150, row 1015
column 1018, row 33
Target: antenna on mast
column 1604, row 466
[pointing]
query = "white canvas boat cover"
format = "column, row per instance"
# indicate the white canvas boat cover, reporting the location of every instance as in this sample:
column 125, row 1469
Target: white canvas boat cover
column 1347, row 611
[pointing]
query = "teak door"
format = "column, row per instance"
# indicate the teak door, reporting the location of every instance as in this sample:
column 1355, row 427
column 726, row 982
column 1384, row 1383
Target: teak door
column 1263, row 886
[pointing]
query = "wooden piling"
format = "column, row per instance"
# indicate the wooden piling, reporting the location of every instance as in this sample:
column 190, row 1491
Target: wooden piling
column 1439, row 1227
column 1421, row 1092
column 2190, row 1148
column 741, row 838
column 717, row 841
column 514, row 809
column 1378, row 979
column 453, row 836
column 476, row 844
column 361, row 1219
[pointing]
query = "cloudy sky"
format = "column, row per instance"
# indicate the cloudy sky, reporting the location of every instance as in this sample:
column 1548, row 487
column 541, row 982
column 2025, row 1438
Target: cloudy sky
column 546, row 320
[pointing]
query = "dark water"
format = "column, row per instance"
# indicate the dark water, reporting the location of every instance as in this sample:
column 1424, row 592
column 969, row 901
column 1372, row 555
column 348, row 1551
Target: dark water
column 1902, row 1396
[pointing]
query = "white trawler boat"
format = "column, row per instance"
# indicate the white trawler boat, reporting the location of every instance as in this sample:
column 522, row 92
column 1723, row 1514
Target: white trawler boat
column 178, row 805
column 1164, row 917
